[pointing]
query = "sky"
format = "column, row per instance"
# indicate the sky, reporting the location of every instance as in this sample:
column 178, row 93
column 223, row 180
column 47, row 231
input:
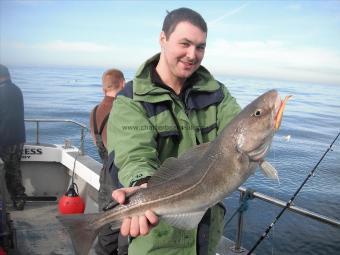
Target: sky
column 289, row 40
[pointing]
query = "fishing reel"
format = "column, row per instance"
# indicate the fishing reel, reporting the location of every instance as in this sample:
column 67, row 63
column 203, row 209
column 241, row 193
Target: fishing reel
column 71, row 202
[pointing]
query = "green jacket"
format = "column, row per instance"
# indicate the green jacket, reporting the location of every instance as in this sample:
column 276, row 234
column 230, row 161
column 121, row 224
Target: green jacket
column 148, row 124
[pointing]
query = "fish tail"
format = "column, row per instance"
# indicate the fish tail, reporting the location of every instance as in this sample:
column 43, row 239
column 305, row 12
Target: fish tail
column 81, row 233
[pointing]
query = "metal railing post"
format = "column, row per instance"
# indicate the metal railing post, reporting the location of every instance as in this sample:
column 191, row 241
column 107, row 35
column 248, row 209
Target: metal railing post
column 37, row 132
column 237, row 248
column 82, row 141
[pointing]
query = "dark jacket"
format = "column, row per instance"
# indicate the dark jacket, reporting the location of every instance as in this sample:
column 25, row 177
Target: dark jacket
column 12, row 125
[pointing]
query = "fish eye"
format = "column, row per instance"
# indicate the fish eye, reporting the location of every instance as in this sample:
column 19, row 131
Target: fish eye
column 257, row 112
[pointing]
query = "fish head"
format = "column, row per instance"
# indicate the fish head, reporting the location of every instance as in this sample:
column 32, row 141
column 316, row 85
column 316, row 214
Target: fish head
column 256, row 125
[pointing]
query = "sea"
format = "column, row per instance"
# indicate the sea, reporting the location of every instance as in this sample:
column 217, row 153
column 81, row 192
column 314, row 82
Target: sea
column 310, row 124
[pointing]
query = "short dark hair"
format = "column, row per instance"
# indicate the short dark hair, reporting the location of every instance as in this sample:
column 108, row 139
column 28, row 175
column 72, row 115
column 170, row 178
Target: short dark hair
column 183, row 14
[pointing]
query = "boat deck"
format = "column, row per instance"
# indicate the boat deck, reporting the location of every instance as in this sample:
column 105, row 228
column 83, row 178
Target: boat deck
column 38, row 232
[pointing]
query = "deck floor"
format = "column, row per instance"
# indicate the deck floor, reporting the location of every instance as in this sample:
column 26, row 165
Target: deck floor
column 38, row 232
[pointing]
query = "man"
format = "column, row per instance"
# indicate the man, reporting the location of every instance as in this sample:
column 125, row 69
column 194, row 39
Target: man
column 171, row 105
column 12, row 136
column 113, row 81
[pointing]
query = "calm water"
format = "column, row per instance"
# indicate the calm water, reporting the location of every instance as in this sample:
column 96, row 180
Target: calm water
column 312, row 120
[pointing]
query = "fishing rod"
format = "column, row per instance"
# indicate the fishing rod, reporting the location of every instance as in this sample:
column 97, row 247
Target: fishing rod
column 311, row 173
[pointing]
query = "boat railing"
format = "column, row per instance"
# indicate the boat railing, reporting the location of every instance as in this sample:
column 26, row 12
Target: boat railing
column 279, row 203
column 82, row 127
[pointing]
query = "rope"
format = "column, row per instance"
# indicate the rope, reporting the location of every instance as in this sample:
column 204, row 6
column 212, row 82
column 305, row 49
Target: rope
column 248, row 195
column 82, row 139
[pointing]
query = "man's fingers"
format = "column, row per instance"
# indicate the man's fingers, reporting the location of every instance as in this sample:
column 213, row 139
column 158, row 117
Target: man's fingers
column 152, row 217
column 134, row 227
column 125, row 228
column 120, row 194
column 137, row 225
column 143, row 225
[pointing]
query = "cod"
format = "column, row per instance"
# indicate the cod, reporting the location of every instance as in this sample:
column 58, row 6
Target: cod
column 185, row 187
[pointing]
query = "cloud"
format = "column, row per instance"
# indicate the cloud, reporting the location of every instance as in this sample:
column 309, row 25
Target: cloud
column 74, row 53
column 271, row 59
column 274, row 59
column 275, row 52
column 76, row 46
column 60, row 45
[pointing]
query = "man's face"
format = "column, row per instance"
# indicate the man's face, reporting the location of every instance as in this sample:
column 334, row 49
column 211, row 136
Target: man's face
column 184, row 49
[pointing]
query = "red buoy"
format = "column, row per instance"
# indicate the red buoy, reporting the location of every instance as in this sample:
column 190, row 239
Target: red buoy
column 71, row 202
column 2, row 251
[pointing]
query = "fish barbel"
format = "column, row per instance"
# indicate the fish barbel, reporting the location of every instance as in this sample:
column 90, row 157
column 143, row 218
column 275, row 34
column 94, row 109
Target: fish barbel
column 184, row 188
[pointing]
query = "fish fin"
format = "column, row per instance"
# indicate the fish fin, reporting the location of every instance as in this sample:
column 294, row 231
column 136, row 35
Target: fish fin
column 269, row 170
column 184, row 221
column 81, row 233
column 110, row 205
column 176, row 167
column 195, row 152
column 164, row 173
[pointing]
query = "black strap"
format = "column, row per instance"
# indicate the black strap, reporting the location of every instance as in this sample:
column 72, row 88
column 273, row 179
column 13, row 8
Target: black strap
column 102, row 151
column 102, row 125
column 95, row 128
column 203, row 234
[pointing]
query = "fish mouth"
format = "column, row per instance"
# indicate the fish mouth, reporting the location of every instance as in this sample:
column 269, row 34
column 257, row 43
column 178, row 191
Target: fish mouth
column 279, row 108
column 260, row 152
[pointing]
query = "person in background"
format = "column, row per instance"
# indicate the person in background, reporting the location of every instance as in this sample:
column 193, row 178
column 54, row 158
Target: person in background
column 112, row 81
column 172, row 105
column 12, row 136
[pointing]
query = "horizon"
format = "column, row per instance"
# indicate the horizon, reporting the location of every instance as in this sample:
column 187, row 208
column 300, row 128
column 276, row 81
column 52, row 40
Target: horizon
column 132, row 72
column 279, row 40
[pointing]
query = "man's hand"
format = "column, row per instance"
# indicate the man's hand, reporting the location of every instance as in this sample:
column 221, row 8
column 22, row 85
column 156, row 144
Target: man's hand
column 137, row 225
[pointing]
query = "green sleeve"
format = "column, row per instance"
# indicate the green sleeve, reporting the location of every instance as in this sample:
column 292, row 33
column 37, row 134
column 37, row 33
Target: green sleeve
column 133, row 139
column 226, row 110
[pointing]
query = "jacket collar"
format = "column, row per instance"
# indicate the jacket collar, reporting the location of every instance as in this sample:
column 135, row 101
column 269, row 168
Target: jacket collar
column 143, row 85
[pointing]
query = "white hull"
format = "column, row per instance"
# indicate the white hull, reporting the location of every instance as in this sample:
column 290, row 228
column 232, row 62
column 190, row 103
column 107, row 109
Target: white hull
column 47, row 171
